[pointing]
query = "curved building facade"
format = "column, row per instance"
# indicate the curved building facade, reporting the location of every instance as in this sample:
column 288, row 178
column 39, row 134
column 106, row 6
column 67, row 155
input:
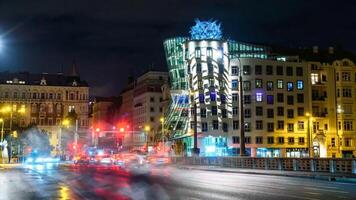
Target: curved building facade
column 208, row 72
column 176, row 118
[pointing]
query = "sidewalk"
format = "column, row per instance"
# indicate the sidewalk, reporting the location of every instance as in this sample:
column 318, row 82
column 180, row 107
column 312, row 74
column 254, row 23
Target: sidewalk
column 10, row 166
column 313, row 175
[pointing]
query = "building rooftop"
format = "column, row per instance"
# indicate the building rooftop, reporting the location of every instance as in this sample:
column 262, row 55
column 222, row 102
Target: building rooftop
column 26, row 78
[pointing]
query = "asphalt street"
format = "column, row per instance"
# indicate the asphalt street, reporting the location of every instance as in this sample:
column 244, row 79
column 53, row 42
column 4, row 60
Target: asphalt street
column 104, row 182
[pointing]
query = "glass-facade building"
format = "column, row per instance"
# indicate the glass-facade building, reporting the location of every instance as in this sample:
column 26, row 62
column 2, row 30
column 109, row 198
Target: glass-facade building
column 199, row 72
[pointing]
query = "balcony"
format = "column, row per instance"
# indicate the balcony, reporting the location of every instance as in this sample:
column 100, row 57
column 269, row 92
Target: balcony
column 318, row 98
column 319, row 114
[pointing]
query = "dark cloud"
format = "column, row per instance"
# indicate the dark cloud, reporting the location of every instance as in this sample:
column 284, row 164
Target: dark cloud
column 111, row 38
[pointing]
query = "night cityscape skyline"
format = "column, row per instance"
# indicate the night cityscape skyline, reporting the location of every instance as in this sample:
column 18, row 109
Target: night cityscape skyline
column 172, row 99
column 38, row 37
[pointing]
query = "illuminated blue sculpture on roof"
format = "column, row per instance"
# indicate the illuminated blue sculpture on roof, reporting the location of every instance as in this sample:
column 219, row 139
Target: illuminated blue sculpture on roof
column 206, row 30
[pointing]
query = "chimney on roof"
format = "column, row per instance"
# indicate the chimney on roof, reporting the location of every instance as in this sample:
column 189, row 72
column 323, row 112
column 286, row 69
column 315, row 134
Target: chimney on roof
column 315, row 49
column 331, row 50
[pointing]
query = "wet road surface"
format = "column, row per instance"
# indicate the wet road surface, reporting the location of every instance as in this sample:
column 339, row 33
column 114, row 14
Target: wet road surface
column 104, row 182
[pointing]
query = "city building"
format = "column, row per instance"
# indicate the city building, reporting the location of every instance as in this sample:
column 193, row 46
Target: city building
column 333, row 107
column 105, row 111
column 276, row 103
column 292, row 106
column 148, row 104
column 45, row 101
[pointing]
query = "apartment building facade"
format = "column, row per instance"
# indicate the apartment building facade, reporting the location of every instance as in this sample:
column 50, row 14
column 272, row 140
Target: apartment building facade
column 45, row 99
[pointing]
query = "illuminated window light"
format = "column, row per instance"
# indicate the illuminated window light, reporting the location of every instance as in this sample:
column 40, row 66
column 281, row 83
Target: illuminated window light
column 259, row 97
column 300, row 85
column 290, row 86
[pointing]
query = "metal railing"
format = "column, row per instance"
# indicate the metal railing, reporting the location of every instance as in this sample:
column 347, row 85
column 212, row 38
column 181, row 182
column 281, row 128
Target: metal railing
column 326, row 165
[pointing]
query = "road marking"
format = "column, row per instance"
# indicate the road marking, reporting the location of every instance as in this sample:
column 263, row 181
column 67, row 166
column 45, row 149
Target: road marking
column 326, row 190
column 312, row 193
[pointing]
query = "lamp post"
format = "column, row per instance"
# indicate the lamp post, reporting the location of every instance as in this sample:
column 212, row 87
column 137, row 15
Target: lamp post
column 162, row 123
column 242, row 119
column 147, row 129
column 2, row 129
column 65, row 123
column 76, row 137
column 309, row 134
column 2, row 138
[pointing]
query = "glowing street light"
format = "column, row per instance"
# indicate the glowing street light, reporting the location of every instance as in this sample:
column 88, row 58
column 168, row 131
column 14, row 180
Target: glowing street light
column 2, row 129
column 66, row 122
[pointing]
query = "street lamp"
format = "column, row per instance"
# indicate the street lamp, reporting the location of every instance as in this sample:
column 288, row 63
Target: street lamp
column 196, row 150
column 309, row 134
column 2, row 129
column 147, row 129
column 242, row 119
column 162, row 123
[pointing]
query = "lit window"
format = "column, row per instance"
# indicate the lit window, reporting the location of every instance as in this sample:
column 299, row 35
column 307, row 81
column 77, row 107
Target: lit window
column 234, row 84
column 300, row 85
column 71, row 109
column 209, row 52
column 289, row 86
column 201, row 98
column 212, row 96
column 197, row 52
column 269, row 85
column 220, row 53
column 223, row 98
column 280, row 84
column 258, row 83
column 246, row 70
column 186, row 54
column 314, row 78
column 246, row 86
column 234, row 70
column 259, row 97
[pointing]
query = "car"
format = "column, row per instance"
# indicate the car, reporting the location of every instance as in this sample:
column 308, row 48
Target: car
column 104, row 159
column 81, row 159
column 159, row 160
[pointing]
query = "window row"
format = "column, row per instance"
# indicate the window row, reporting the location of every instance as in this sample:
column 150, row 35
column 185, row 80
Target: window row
column 259, row 97
column 269, row 70
column 209, row 52
column 270, row 112
column 259, row 125
column 246, row 85
column 270, row 140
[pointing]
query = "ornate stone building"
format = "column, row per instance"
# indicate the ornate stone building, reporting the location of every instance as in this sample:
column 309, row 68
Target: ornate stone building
column 45, row 100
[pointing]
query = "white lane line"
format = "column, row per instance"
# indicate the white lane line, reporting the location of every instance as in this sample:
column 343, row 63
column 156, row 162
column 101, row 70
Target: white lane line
column 325, row 190
column 312, row 193
column 223, row 188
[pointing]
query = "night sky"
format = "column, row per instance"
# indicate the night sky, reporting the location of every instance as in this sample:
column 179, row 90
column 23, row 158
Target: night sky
column 109, row 39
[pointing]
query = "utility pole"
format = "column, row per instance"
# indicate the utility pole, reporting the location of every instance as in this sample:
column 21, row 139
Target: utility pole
column 242, row 120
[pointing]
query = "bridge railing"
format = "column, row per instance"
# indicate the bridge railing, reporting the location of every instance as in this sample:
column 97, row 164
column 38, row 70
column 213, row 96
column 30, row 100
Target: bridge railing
column 326, row 165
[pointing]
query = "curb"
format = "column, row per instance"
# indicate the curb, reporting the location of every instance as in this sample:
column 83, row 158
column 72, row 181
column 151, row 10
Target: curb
column 311, row 176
